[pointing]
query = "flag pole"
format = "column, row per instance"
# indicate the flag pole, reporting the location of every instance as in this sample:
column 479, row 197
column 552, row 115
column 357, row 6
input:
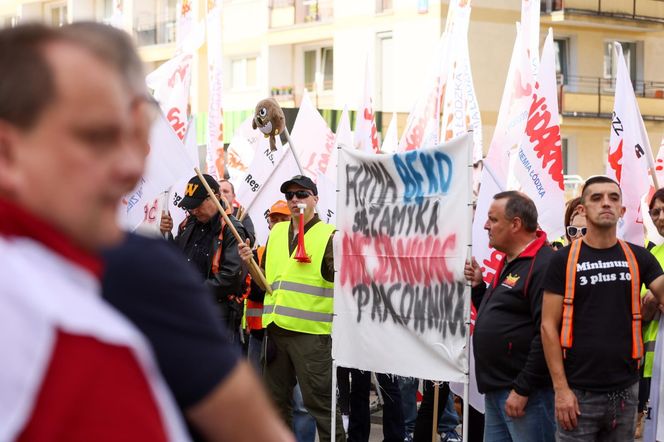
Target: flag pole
column 466, row 384
column 254, row 269
column 434, row 421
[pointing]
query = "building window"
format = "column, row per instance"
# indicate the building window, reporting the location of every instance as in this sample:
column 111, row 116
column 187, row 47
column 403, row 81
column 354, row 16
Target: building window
column 56, row 13
column 319, row 68
column 611, row 63
column 562, row 59
column 244, row 73
column 154, row 22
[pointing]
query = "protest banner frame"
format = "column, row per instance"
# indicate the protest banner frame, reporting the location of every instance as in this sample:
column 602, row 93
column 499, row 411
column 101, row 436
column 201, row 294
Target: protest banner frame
column 466, row 312
column 254, row 269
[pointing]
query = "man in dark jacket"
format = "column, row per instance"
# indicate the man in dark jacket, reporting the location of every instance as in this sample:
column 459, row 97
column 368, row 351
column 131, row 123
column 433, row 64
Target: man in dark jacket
column 211, row 247
column 509, row 361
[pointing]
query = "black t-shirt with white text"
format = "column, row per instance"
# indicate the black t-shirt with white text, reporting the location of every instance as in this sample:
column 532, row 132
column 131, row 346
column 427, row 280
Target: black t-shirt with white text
column 600, row 359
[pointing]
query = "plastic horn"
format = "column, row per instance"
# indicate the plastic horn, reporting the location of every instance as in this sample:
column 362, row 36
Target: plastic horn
column 301, row 255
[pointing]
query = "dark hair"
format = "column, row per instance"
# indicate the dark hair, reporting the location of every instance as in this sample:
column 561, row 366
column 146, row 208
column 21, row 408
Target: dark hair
column 27, row 83
column 570, row 212
column 519, row 205
column 112, row 45
column 227, row 181
column 596, row 180
column 658, row 195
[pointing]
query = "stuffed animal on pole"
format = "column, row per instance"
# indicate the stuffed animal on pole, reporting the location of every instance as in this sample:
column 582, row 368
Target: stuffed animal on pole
column 269, row 119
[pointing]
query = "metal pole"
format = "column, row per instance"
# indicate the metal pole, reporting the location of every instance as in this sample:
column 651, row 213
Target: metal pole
column 466, row 385
column 334, row 402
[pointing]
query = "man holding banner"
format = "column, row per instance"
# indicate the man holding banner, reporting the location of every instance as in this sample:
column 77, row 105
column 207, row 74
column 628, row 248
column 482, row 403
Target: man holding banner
column 509, row 361
column 297, row 315
column 591, row 321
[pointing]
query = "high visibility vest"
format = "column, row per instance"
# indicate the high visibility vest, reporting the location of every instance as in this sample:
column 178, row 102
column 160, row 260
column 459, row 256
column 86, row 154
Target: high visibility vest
column 650, row 329
column 301, row 299
column 254, row 309
column 568, row 301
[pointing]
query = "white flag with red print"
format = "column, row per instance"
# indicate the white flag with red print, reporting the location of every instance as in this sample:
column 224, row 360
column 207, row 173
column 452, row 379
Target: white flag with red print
column 391, row 138
column 215, row 145
column 366, row 134
column 539, row 165
column 628, row 153
column 461, row 111
column 246, row 144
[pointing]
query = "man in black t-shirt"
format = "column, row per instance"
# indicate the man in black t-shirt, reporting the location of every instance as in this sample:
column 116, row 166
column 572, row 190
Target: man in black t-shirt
column 595, row 375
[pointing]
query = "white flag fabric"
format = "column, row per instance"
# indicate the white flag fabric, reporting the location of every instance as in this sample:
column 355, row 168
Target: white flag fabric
column 246, row 144
column 366, row 134
column 166, row 163
column 171, row 84
column 215, row 145
column 530, row 25
column 117, row 17
column 399, row 282
column 659, row 164
column 314, row 142
column 539, row 167
column 423, row 124
column 461, row 111
column 629, row 148
column 391, row 138
column 184, row 22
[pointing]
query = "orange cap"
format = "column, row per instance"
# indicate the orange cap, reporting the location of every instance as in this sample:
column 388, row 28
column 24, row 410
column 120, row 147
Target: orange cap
column 280, row 207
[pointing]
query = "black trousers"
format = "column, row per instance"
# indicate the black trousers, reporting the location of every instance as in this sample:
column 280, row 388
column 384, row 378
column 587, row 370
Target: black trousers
column 360, row 417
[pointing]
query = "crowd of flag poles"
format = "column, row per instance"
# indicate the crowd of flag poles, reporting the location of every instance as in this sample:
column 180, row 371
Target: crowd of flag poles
column 524, row 153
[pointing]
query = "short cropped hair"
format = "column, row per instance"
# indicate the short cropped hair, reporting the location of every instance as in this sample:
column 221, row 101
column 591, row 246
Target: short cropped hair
column 596, row 180
column 227, row 181
column 519, row 205
column 27, row 81
column 115, row 47
column 658, row 195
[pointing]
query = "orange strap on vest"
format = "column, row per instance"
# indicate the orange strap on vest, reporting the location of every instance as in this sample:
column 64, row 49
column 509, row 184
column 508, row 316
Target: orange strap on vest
column 254, row 312
column 568, row 300
column 216, row 259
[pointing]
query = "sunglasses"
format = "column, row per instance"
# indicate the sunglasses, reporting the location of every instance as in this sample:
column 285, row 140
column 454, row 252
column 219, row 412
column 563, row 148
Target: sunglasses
column 300, row 194
column 654, row 213
column 573, row 231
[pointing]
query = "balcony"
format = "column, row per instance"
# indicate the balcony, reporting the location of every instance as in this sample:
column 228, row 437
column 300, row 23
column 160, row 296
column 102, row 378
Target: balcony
column 153, row 30
column 592, row 97
column 297, row 12
column 644, row 11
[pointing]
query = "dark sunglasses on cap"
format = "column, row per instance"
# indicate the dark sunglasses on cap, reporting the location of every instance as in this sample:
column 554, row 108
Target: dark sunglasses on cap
column 572, row 231
column 300, row 194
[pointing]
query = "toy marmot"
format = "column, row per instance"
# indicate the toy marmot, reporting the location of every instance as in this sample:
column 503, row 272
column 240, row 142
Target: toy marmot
column 269, row 119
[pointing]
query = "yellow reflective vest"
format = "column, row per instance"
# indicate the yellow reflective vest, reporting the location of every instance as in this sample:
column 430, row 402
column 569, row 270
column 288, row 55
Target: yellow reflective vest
column 301, row 300
column 650, row 328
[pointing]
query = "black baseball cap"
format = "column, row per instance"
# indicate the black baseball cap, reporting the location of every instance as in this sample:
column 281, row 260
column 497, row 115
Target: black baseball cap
column 195, row 193
column 300, row 180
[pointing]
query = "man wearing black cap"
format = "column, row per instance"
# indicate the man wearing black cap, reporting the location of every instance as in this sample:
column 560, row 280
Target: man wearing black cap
column 297, row 316
column 211, row 247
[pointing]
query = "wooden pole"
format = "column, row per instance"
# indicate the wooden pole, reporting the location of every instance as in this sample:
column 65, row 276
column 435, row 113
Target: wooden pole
column 434, row 425
column 254, row 269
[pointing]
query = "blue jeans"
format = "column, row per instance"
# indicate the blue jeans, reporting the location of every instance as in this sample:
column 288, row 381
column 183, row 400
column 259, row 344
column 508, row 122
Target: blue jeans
column 606, row 417
column 408, row 387
column 254, row 353
column 449, row 421
column 304, row 425
column 538, row 425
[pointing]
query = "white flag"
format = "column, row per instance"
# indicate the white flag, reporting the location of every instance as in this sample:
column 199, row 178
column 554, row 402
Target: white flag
column 530, row 25
column 366, row 134
column 461, row 111
column 166, row 163
column 539, row 165
column 215, row 145
column 629, row 148
column 391, row 138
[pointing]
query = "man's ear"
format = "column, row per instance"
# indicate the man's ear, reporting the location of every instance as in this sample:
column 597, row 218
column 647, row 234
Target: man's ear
column 316, row 198
column 9, row 176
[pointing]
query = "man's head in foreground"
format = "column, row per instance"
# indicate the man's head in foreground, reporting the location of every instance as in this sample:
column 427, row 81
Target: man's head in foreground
column 67, row 152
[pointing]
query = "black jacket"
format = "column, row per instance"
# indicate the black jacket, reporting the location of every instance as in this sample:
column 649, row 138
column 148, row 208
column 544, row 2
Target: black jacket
column 506, row 339
column 230, row 277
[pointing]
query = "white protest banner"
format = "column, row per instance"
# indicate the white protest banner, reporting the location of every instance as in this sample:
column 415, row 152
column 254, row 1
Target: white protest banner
column 166, row 163
column 247, row 144
column 150, row 224
column 391, row 138
column 539, row 168
column 399, row 282
column 215, row 145
column 629, row 148
column 314, row 142
column 366, row 134
column 461, row 111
